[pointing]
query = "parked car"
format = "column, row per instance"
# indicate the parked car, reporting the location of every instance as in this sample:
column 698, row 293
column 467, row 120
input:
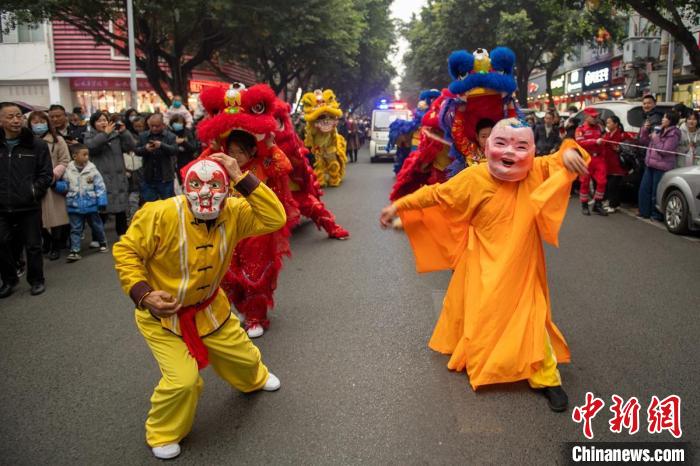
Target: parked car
column 631, row 116
column 678, row 198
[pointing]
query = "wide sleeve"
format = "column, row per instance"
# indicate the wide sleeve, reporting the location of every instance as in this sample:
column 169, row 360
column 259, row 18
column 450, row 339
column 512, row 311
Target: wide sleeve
column 550, row 198
column 134, row 248
column 260, row 212
column 453, row 194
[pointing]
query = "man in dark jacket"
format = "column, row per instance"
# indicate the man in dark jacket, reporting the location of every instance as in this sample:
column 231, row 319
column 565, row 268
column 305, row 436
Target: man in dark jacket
column 59, row 119
column 547, row 138
column 652, row 115
column 26, row 173
column 158, row 147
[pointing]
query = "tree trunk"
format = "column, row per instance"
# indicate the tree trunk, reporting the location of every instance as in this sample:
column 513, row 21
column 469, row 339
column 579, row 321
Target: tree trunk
column 523, row 78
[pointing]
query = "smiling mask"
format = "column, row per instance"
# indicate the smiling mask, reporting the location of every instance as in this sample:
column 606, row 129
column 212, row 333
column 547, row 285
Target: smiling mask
column 510, row 150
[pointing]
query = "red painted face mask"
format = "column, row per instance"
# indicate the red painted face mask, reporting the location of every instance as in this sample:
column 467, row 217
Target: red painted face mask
column 510, row 150
column 206, row 189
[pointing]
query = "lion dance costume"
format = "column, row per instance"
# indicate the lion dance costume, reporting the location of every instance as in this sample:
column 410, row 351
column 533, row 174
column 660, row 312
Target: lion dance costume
column 428, row 163
column 405, row 134
column 483, row 84
column 252, row 276
column 321, row 113
column 303, row 183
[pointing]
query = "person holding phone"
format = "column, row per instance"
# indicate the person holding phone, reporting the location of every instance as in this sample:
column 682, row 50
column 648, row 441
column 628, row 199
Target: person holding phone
column 159, row 150
column 659, row 159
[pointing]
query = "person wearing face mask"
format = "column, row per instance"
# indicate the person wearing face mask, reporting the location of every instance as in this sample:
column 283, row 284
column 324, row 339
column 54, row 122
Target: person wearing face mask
column 181, row 311
column 487, row 224
column 178, row 108
column 26, row 174
column 54, row 217
column 187, row 144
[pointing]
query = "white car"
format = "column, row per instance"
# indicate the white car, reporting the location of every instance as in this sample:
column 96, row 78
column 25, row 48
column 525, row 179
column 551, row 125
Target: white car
column 629, row 112
column 379, row 131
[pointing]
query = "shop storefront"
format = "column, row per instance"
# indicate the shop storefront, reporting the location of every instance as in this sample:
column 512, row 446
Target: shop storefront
column 688, row 94
column 112, row 94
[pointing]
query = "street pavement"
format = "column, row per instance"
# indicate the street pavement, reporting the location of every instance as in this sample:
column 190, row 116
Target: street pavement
column 349, row 342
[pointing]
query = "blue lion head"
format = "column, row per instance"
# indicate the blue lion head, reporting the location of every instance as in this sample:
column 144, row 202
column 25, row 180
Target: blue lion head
column 491, row 71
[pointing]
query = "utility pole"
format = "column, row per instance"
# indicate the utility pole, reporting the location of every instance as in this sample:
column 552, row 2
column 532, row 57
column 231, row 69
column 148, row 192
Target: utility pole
column 132, row 54
column 669, row 69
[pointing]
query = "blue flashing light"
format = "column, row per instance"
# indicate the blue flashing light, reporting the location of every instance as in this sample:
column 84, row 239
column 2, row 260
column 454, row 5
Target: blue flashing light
column 383, row 101
column 383, row 106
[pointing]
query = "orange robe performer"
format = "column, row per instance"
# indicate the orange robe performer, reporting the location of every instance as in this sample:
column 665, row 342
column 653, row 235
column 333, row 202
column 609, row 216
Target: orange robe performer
column 487, row 225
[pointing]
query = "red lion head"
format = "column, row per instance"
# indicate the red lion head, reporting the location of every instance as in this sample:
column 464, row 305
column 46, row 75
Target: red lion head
column 431, row 118
column 237, row 108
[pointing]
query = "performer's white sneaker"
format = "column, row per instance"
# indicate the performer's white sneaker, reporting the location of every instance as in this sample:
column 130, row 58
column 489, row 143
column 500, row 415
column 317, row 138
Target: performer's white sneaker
column 255, row 331
column 166, row 452
column 272, row 384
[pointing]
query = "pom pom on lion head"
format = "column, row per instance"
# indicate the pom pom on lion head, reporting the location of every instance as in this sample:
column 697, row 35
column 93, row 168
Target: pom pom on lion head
column 482, row 73
column 237, row 108
column 319, row 102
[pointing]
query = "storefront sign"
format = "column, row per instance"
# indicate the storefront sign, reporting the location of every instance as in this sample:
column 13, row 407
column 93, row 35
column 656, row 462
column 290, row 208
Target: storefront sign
column 107, row 84
column 537, row 85
column 574, row 81
column 558, row 85
column 197, row 85
column 617, row 72
column 596, row 76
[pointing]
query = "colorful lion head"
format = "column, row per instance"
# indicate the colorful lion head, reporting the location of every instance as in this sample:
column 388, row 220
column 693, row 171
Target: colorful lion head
column 318, row 103
column 481, row 72
column 237, row 108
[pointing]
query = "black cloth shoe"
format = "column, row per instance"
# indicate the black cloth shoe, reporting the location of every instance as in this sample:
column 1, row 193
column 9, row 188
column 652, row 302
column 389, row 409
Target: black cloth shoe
column 599, row 209
column 7, row 289
column 54, row 255
column 584, row 208
column 557, row 398
column 37, row 289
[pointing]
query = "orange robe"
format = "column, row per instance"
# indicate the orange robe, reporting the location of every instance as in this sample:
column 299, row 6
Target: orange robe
column 497, row 309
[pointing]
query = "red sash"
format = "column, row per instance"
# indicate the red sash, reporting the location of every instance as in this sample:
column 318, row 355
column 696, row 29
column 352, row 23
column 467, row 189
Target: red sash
column 188, row 328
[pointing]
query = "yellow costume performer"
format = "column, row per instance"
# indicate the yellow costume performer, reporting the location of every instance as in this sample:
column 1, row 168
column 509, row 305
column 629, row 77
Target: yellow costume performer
column 321, row 113
column 496, row 318
column 182, row 246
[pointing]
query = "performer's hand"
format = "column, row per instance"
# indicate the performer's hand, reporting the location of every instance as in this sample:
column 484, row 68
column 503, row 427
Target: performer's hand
column 574, row 162
column 229, row 164
column 161, row 303
column 387, row 216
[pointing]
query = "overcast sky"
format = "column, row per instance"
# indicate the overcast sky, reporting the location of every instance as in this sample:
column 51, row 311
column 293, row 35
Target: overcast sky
column 403, row 9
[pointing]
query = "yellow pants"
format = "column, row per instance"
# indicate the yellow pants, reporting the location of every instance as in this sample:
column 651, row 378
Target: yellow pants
column 174, row 402
column 548, row 374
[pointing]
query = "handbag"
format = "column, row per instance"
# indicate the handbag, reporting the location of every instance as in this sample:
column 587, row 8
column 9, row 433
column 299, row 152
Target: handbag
column 132, row 162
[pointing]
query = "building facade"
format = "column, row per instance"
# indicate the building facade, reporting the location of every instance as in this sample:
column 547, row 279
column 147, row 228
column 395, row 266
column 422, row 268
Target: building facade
column 54, row 62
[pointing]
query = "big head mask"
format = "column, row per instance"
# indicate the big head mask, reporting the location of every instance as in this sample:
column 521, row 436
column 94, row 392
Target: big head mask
column 206, row 186
column 510, row 150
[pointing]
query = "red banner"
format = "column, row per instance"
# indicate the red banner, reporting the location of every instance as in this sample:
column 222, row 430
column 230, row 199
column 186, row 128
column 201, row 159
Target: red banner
column 197, row 85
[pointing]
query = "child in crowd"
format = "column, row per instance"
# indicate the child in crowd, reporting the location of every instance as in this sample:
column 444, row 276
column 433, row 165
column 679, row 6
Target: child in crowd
column 86, row 196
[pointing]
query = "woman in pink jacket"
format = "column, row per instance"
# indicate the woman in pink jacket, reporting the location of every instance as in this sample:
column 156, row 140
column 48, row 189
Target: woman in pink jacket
column 663, row 143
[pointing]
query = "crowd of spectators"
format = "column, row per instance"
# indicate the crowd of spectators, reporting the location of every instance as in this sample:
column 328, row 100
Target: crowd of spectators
column 64, row 170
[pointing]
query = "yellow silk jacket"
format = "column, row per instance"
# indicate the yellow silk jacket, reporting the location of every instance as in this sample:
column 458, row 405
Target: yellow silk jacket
column 167, row 249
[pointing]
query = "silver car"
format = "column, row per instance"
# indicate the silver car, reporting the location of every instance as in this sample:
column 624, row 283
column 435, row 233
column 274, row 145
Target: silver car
column 678, row 197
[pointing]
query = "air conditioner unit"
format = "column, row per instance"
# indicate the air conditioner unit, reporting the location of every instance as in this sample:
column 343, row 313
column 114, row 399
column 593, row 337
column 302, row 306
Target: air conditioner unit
column 639, row 49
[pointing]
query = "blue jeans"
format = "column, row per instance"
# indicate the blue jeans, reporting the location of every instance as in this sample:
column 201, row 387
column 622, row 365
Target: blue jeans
column 647, row 193
column 77, row 224
column 157, row 190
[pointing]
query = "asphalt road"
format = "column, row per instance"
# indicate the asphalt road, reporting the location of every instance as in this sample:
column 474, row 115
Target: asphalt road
column 348, row 341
